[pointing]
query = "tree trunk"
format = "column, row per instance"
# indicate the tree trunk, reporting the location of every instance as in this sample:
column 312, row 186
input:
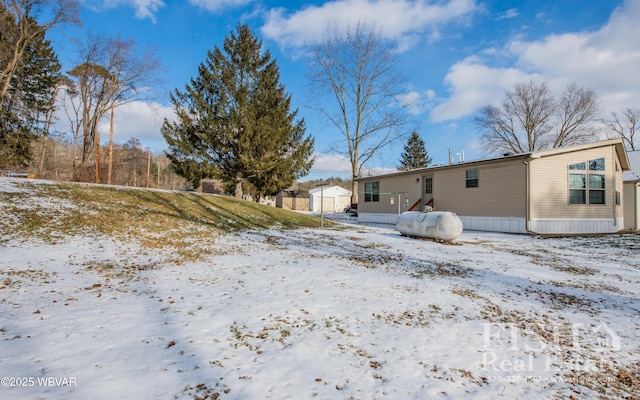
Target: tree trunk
column 44, row 144
column 354, row 191
column 355, row 174
column 97, row 156
column 149, row 169
column 110, row 164
column 238, row 182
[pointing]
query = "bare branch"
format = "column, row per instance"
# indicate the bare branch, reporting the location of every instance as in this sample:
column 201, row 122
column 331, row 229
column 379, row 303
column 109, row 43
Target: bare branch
column 110, row 73
column 625, row 125
column 530, row 119
column 25, row 15
column 359, row 73
column 578, row 106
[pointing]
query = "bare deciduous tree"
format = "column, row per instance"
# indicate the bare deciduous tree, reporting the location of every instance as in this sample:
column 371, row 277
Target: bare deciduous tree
column 624, row 126
column 110, row 73
column 61, row 83
column 358, row 72
column 531, row 119
column 25, row 14
column 577, row 107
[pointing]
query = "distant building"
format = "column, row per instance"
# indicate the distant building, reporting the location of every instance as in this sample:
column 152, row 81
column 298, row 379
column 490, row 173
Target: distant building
column 291, row 199
column 331, row 198
column 212, row 186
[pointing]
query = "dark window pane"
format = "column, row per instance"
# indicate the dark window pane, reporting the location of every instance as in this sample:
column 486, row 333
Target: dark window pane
column 577, row 196
column 472, row 174
column 428, row 185
column 596, row 196
column 578, row 166
column 472, row 178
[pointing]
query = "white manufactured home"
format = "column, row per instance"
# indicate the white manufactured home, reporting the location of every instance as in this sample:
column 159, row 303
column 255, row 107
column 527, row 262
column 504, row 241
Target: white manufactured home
column 576, row 189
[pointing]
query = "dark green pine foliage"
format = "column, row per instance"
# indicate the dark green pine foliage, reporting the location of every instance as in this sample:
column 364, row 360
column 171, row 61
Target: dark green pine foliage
column 28, row 100
column 234, row 121
column 414, row 154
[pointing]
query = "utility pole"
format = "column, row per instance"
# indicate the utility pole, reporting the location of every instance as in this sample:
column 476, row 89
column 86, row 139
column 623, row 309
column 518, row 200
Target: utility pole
column 149, row 168
column 110, row 165
column 97, row 156
column 322, row 185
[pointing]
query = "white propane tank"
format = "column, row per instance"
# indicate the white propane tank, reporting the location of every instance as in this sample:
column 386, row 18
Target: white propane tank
column 439, row 225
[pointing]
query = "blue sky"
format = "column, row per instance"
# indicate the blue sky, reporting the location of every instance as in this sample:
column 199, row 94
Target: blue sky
column 459, row 54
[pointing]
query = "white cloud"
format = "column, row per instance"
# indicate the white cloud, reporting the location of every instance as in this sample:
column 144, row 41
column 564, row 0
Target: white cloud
column 417, row 102
column 401, row 20
column 474, row 84
column 133, row 120
column 605, row 60
column 144, row 8
column 510, row 13
column 138, row 120
column 331, row 165
column 218, row 5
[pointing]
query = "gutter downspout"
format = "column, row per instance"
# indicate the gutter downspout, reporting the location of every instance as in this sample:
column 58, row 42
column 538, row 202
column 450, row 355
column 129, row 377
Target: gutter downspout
column 528, row 194
column 635, row 205
column 615, row 188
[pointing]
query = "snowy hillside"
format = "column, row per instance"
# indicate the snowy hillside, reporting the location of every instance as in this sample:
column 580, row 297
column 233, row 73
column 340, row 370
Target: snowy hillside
column 105, row 299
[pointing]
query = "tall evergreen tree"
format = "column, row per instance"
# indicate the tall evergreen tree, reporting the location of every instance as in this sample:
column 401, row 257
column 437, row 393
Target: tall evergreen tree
column 234, row 120
column 414, row 154
column 28, row 98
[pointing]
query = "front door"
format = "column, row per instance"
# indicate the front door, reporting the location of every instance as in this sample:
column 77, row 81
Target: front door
column 427, row 191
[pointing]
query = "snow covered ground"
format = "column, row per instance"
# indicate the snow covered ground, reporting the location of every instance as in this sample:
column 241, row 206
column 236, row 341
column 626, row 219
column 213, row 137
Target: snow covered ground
column 356, row 312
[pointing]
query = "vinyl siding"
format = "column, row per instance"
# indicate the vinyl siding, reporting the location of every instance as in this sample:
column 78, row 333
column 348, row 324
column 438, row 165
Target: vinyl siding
column 632, row 205
column 549, row 192
column 389, row 187
column 501, row 190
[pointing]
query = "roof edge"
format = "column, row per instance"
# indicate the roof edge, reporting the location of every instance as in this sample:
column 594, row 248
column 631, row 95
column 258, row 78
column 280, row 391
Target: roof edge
column 617, row 143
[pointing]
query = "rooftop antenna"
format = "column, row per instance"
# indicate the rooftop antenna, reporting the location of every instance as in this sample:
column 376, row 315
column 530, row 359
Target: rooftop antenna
column 460, row 156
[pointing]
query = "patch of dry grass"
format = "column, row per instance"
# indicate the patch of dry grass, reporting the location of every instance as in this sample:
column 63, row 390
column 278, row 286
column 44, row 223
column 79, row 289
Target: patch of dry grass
column 186, row 223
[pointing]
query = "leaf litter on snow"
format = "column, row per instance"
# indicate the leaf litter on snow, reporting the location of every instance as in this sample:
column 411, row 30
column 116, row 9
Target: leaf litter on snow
column 354, row 312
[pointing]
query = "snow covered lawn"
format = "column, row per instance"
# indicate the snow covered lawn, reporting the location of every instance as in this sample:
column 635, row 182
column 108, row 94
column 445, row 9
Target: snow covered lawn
column 354, row 312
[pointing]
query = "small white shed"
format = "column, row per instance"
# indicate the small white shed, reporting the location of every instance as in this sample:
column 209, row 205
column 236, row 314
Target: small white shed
column 332, row 198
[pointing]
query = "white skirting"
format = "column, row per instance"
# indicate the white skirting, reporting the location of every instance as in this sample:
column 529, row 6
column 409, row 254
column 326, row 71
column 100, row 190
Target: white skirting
column 495, row 224
column 491, row 224
column 378, row 218
column 518, row 225
column 576, row 225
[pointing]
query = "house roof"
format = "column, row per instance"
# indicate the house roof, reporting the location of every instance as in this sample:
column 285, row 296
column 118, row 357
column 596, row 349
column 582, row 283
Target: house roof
column 633, row 175
column 619, row 145
column 295, row 193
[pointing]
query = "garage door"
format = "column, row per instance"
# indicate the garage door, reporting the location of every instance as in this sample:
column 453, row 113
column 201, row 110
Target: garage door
column 328, row 204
